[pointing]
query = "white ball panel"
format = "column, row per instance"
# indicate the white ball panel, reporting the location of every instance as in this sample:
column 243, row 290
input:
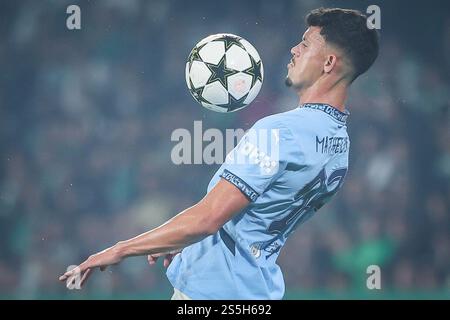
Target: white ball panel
column 262, row 71
column 239, row 84
column 212, row 52
column 199, row 74
column 253, row 92
column 250, row 49
column 237, row 58
column 187, row 75
column 215, row 93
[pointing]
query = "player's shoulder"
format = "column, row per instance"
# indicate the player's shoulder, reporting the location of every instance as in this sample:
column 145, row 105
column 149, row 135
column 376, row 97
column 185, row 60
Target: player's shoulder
column 307, row 118
column 277, row 120
column 289, row 121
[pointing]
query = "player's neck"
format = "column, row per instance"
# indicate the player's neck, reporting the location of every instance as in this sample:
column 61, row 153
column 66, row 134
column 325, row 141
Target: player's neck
column 322, row 92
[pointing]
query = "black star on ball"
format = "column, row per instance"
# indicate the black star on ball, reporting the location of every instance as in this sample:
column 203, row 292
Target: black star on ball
column 219, row 72
column 254, row 70
column 233, row 103
column 229, row 40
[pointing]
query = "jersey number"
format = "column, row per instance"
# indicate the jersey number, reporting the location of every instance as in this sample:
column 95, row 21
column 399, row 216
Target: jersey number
column 308, row 200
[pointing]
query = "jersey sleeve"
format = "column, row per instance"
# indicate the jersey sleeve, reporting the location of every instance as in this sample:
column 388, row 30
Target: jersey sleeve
column 260, row 157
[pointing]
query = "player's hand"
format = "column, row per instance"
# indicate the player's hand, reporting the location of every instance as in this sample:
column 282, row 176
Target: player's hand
column 152, row 258
column 100, row 260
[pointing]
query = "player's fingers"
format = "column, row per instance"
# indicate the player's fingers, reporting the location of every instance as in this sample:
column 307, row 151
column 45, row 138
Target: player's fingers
column 86, row 276
column 69, row 273
column 151, row 259
column 168, row 259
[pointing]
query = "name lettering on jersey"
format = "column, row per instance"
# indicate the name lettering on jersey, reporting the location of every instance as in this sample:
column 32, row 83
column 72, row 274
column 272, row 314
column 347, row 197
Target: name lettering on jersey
column 331, row 145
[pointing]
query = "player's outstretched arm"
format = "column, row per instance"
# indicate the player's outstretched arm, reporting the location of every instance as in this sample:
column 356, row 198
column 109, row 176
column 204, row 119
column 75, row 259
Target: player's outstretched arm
column 189, row 226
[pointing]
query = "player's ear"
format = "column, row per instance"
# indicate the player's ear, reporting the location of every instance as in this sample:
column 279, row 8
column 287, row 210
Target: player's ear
column 330, row 63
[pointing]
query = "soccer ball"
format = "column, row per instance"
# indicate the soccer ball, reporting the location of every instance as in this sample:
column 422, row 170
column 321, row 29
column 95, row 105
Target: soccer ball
column 224, row 72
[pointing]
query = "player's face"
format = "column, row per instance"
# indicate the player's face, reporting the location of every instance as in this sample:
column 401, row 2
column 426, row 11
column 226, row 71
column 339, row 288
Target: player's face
column 307, row 61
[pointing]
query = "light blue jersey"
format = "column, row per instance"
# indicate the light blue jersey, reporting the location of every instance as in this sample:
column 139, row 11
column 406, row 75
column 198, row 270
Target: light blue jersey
column 288, row 165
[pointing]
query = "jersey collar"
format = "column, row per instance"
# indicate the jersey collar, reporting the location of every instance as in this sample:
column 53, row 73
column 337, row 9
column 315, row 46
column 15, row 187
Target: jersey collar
column 330, row 110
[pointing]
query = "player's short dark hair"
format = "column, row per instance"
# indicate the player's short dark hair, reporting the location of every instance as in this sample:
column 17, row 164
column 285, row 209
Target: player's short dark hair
column 347, row 29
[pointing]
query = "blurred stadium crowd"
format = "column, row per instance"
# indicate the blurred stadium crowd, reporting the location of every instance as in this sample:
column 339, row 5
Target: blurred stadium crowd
column 86, row 119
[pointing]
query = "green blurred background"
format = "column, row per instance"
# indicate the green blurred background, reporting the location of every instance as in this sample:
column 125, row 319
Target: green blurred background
column 86, row 118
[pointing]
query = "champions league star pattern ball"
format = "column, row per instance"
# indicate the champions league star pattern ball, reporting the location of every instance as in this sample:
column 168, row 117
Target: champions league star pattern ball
column 224, row 72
